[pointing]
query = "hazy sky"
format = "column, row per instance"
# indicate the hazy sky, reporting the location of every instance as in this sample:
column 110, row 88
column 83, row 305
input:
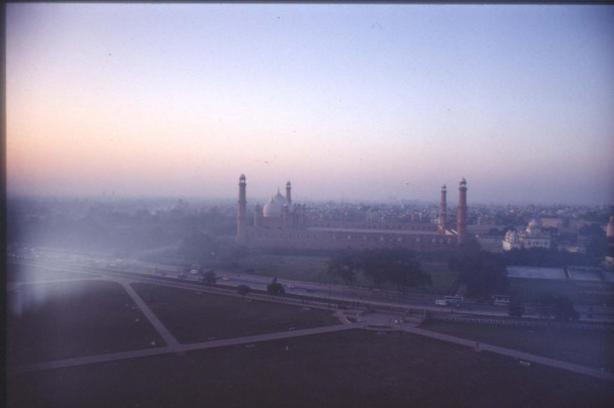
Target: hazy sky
column 349, row 101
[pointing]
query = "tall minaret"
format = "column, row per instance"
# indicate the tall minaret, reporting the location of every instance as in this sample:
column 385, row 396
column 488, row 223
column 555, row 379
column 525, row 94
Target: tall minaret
column 289, row 193
column 461, row 215
column 443, row 210
column 242, row 213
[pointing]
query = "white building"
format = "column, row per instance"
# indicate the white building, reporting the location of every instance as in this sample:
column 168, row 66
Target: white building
column 531, row 237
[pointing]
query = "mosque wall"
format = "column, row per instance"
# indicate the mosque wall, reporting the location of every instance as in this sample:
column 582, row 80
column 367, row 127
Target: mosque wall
column 317, row 239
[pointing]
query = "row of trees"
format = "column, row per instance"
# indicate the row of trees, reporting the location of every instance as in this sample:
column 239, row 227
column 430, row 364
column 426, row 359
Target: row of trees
column 395, row 266
column 483, row 273
column 547, row 306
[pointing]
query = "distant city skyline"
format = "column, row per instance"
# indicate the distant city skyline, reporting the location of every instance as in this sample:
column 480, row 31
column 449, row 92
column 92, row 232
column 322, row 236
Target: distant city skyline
column 353, row 102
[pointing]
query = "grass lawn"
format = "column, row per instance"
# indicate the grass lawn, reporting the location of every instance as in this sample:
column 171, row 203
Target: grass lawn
column 594, row 348
column 49, row 321
column 193, row 317
column 346, row 369
column 27, row 273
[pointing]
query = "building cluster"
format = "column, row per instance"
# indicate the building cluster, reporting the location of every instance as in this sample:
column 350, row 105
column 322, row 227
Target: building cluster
column 282, row 223
column 534, row 236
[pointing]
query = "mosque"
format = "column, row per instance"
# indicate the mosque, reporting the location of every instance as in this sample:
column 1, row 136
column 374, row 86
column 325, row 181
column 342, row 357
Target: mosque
column 282, row 224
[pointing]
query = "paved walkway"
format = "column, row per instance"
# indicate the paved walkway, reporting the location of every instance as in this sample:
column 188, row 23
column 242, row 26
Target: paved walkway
column 179, row 348
column 173, row 346
column 520, row 355
column 149, row 314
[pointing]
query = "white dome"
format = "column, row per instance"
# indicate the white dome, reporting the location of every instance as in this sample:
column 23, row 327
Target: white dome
column 275, row 206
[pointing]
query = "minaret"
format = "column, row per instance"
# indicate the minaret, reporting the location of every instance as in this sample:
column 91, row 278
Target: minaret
column 443, row 210
column 289, row 193
column 242, row 213
column 461, row 215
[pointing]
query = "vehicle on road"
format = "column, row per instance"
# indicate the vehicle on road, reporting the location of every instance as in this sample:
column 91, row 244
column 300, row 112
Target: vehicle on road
column 455, row 301
column 501, row 300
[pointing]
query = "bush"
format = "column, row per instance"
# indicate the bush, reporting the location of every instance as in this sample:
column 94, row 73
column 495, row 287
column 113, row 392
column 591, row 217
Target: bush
column 483, row 273
column 516, row 307
column 209, row 277
column 275, row 288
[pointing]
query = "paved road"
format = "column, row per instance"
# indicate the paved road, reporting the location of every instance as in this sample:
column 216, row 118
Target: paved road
column 520, row 355
column 180, row 348
column 15, row 285
column 323, row 291
column 323, row 295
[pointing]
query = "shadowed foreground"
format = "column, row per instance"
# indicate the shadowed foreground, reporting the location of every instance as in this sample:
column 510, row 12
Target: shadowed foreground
column 355, row 368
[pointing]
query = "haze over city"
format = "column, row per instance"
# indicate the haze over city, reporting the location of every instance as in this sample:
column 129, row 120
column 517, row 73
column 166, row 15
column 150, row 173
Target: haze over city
column 349, row 102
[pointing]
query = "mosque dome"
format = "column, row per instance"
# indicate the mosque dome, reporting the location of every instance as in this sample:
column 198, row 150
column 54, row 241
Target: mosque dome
column 275, row 206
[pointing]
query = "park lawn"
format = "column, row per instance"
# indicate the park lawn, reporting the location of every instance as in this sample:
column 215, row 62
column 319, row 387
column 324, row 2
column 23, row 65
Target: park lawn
column 194, row 316
column 345, row 369
column 31, row 273
column 594, row 348
column 51, row 321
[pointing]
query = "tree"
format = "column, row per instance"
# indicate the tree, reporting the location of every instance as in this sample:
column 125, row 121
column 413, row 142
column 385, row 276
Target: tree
column 210, row 277
column 482, row 272
column 345, row 267
column 275, row 288
column 396, row 266
column 563, row 309
column 243, row 290
column 516, row 307
column 557, row 307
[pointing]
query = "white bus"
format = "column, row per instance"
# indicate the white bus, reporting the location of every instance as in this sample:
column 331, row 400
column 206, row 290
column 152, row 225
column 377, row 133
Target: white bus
column 455, row 301
column 500, row 300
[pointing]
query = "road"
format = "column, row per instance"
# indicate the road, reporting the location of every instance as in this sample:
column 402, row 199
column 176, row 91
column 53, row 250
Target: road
column 181, row 348
column 368, row 321
column 323, row 291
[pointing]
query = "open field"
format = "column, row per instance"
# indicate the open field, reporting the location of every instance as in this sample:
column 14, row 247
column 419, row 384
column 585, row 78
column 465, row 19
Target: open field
column 51, row 321
column 594, row 348
column 347, row 369
column 192, row 316
column 28, row 273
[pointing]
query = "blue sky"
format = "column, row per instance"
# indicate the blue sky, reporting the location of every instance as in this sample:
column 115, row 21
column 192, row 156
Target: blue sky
column 348, row 101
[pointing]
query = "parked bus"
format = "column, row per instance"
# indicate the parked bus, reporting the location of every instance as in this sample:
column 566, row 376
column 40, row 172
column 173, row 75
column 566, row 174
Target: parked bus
column 455, row 301
column 501, row 300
